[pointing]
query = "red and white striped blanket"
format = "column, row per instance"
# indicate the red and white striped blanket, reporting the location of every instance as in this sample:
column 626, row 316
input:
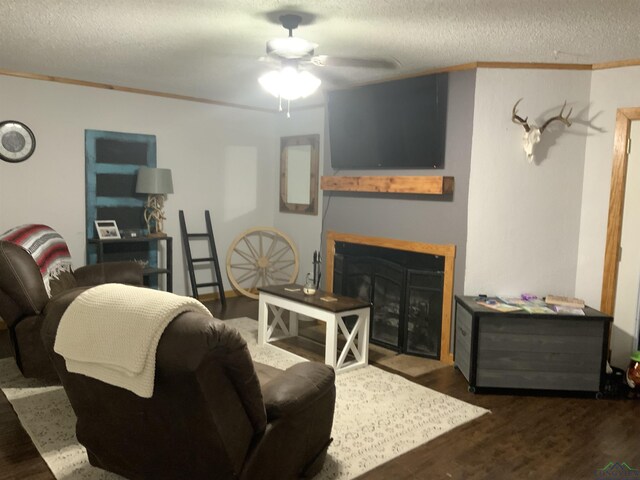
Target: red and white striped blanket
column 45, row 245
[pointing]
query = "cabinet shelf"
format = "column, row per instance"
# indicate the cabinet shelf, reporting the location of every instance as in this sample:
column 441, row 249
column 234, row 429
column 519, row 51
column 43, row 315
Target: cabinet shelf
column 418, row 185
column 146, row 271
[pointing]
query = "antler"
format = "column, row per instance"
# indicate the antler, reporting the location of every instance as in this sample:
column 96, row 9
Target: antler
column 519, row 120
column 564, row 120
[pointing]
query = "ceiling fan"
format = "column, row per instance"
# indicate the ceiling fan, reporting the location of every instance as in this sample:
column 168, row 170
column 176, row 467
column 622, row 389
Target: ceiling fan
column 294, row 54
column 298, row 49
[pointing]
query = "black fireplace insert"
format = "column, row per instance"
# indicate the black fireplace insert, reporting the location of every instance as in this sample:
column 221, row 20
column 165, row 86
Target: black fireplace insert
column 405, row 289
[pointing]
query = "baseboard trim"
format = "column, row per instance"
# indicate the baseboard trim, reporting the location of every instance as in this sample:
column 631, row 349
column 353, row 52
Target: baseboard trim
column 208, row 297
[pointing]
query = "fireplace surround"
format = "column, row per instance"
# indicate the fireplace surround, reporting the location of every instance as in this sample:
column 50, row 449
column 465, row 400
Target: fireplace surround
column 416, row 321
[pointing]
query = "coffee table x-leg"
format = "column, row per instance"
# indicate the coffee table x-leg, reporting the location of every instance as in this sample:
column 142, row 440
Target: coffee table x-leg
column 356, row 339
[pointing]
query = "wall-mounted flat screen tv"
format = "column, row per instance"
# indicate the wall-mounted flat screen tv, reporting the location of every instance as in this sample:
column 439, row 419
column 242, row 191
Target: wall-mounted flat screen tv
column 400, row 124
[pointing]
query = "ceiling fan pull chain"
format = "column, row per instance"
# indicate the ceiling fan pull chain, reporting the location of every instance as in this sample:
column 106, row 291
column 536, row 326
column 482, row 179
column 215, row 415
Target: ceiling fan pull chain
column 288, row 107
column 279, row 103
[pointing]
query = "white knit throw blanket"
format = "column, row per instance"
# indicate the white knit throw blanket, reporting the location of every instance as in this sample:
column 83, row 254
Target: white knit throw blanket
column 111, row 333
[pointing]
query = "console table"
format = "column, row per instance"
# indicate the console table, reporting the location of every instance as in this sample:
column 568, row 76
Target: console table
column 279, row 298
column 531, row 351
column 147, row 271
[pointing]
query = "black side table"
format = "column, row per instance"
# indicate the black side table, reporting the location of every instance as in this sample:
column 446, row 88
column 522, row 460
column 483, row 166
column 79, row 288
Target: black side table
column 147, row 271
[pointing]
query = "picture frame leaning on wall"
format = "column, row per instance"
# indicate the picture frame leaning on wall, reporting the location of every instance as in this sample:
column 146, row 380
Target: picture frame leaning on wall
column 107, row 229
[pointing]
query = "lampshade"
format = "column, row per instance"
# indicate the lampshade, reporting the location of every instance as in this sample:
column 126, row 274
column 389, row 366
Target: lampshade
column 154, row 181
column 289, row 83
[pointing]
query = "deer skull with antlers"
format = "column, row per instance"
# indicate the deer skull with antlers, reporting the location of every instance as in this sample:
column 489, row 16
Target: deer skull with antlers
column 532, row 133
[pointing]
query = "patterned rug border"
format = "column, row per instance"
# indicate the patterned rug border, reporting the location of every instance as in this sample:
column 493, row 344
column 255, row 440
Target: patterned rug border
column 379, row 416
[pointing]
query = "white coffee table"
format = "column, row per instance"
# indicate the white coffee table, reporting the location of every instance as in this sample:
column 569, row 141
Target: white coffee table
column 280, row 298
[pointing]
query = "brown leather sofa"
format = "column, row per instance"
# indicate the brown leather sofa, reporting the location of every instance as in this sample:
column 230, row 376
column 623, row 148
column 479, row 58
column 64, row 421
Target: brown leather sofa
column 214, row 413
column 23, row 299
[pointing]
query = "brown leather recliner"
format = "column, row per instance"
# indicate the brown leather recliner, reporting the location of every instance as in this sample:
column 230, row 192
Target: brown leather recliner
column 209, row 417
column 23, row 299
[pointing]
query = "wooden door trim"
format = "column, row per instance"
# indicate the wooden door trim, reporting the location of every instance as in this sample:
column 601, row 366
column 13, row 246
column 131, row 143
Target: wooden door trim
column 624, row 117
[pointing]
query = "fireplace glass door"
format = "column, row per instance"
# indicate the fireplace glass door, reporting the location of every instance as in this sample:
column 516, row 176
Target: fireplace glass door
column 423, row 313
column 407, row 302
column 381, row 283
column 388, row 284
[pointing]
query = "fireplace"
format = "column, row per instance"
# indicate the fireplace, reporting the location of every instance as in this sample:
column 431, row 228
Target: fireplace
column 410, row 285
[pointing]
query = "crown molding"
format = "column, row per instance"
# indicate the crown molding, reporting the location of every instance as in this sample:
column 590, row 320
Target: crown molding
column 451, row 68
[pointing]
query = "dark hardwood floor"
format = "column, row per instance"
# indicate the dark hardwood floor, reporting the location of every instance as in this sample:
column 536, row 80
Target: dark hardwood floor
column 524, row 436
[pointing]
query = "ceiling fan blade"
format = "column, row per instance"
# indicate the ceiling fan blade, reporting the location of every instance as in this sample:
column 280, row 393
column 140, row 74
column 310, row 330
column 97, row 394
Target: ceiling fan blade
column 332, row 79
column 270, row 60
column 331, row 61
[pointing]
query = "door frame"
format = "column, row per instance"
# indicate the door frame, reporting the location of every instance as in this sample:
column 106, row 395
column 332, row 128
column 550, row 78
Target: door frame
column 624, row 117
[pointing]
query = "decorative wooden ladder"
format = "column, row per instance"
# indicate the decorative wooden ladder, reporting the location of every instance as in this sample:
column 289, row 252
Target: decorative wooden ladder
column 186, row 239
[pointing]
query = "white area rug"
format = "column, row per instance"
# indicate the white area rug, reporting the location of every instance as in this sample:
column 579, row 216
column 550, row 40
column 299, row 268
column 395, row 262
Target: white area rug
column 378, row 416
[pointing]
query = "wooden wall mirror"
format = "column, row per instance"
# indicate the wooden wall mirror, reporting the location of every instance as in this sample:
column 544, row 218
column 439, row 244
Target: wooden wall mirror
column 299, row 168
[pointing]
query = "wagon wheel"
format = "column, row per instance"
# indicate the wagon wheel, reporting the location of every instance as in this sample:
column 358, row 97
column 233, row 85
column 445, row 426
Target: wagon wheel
column 259, row 257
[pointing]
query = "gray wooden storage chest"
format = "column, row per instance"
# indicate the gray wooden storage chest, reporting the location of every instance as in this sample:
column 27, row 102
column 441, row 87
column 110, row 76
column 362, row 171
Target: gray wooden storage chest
column 530, row 351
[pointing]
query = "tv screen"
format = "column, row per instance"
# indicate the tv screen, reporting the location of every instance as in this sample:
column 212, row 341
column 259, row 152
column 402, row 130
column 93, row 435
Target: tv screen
column 400, row 124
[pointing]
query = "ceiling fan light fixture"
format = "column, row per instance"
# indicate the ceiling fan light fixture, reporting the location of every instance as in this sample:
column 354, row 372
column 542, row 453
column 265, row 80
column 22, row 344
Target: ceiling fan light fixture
column 290, row 47
column 289, row 83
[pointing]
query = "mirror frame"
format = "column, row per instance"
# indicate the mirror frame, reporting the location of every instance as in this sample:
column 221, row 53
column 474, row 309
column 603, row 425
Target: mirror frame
column 314, row 142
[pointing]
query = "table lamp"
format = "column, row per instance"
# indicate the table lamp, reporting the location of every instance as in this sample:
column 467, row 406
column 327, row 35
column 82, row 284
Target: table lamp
column 157, row 183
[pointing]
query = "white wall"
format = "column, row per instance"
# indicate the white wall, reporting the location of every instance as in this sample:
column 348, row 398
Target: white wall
column 304, row 230
column 524, row 219
column 222, row 159
column 610, row 90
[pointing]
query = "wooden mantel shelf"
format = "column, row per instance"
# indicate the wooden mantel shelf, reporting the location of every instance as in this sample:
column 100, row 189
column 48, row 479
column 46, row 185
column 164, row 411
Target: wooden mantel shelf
column 421, row 185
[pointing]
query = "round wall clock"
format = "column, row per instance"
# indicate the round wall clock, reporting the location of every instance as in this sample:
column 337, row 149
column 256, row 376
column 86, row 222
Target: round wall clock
column 17, row 141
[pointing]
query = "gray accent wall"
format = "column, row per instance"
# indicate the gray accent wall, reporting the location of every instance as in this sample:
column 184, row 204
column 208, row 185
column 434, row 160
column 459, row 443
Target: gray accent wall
column 419, row 218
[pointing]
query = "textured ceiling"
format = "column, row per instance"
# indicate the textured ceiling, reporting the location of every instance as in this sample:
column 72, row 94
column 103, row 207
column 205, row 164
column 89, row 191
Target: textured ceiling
column 210, row 48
